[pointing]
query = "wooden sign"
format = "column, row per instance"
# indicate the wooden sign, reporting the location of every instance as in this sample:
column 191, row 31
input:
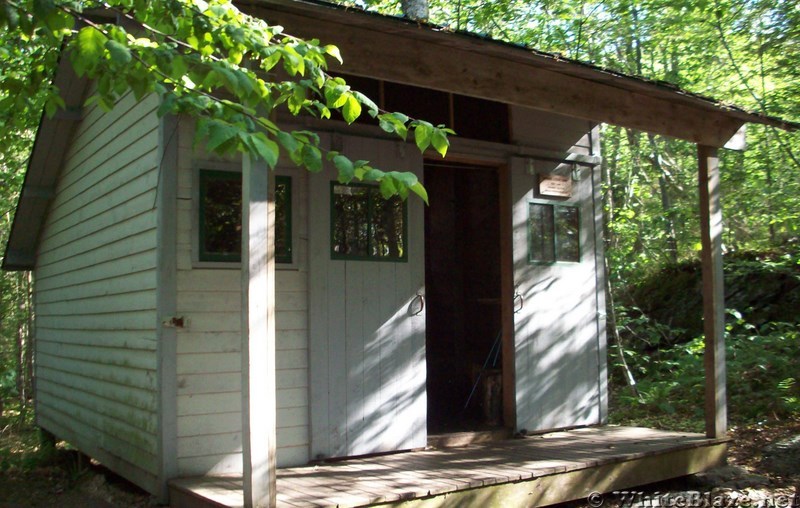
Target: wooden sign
column 555, row 185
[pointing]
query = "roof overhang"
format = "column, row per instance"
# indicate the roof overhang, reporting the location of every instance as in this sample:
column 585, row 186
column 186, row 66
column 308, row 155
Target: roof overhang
column 44, row 166
column 404, row 51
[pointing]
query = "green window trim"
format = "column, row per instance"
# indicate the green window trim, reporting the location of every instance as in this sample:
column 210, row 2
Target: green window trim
column 553, row 233
column 368, row 226
column 223, row 213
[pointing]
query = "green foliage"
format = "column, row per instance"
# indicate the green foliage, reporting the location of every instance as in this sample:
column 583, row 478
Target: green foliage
column 762, row 341
column 762, row 365
column 209, row 60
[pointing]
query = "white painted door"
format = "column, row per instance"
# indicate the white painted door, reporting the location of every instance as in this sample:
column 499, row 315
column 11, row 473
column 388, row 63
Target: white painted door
column 559, row 338
column 367, row 326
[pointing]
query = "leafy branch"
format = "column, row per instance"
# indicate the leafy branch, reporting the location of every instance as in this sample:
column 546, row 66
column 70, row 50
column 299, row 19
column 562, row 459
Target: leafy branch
column 216, row 64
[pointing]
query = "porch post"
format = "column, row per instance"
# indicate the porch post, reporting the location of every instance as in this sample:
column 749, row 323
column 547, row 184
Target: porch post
column 258, row 337
column 713, row 292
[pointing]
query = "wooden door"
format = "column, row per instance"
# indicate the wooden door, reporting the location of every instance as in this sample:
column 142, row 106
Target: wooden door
column 559, row 339
column 367, row 321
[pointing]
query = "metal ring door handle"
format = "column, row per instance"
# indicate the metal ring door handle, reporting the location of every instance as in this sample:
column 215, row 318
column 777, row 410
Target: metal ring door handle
column 421, row 299
column 521, row 298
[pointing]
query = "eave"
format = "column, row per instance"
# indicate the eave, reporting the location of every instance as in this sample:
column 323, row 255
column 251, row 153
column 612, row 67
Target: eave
column 44, row 165
column 407, row 52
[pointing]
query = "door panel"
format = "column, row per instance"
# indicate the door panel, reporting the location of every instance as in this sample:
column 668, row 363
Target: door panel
column 558, row 348
column 367, row 338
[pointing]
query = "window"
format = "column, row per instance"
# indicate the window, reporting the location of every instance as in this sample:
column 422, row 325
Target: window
column 365, row 226
column 553, row 233
column 220, row 221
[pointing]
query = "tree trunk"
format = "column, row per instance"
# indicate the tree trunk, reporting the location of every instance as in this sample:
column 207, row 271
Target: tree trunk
column 415, row 9
column 666, row 202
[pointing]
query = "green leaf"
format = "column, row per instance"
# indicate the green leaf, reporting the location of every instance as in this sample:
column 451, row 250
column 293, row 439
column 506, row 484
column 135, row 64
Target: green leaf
column 288, row 142
column 120, row 54
column 420, row 191
column 264, row 147
column 91, row 43
column 219, row 133
column 352, row 109
column 333, row 51
column 388, row 188
column 394, row 123
column 312, row 158
column 345, row 168
column 372, row 108
column 440, row 141
column 423, row 132
column 335, row 94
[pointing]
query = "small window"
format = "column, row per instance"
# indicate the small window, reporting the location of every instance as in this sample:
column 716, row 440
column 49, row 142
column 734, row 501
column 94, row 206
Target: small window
column 554, row 233
column 220, row 224
column 365, row 226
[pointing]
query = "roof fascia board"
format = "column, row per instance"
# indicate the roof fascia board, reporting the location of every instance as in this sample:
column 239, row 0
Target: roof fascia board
column 44, row 166
column 323, row 13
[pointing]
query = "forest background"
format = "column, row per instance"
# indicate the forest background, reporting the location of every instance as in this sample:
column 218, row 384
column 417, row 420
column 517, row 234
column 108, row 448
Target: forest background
column 743, row 52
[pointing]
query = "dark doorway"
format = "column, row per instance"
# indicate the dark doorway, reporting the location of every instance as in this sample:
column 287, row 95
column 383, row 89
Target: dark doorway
column 463, row 292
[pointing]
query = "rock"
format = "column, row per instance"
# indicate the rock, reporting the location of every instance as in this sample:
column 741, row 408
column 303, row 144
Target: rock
column 783, row 457
column 719, row 477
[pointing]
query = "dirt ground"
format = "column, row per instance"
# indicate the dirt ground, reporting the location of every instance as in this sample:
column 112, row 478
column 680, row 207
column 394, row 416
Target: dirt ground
column 763, row 471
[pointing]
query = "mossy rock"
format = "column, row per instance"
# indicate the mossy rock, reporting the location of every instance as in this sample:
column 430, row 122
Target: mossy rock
column 763, row 286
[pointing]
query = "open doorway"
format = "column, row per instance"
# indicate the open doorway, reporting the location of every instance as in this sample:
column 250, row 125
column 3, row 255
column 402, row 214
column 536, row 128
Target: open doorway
column 464, row 321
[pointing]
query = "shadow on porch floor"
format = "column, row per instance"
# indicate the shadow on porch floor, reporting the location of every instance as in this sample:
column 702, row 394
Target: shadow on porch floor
column 534, row 471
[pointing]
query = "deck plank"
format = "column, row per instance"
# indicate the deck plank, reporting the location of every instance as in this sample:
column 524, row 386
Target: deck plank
column 495, row 467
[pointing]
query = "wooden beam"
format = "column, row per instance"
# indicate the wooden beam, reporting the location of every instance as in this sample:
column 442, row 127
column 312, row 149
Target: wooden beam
column 167, row 303
column 713, row 292
column 258, row 337
column 507, row 299
column 404, row 57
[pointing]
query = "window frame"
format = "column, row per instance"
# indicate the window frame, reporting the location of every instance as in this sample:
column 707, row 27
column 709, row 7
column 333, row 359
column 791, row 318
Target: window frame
column 529, row 233
column 335, row 256
column 196, row 235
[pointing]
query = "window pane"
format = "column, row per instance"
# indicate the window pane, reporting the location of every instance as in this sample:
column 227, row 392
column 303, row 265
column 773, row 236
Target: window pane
column 567, row 225
column 540, row 232
column 365, row 226
column 221, row 216
column 220, row 234
column 350, row 220
column 387, row 227
column 283, row 219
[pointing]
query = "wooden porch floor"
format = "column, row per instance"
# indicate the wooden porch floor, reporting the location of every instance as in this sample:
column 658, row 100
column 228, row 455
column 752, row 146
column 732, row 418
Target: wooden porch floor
column 534, row 471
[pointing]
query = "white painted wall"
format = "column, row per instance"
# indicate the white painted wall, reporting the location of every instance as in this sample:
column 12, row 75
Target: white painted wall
column 95, row 293
column 209, row 346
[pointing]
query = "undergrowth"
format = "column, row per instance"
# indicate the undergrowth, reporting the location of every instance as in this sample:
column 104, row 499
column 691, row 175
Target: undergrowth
column 763, row 367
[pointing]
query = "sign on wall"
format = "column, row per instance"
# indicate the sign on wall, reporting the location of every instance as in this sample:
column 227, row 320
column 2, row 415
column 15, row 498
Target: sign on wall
column 555, row 186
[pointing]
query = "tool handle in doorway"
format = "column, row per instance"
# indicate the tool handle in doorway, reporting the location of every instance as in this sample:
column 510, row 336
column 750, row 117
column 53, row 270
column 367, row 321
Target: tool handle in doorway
column 421, row 299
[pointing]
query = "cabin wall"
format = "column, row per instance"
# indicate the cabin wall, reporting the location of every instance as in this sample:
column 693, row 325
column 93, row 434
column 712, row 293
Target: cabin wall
column 559, row 329
column 209, row 344
column 95, row 293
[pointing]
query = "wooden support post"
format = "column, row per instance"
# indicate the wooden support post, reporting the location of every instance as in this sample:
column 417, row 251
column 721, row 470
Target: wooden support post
column 713, row 292
column 258, row 337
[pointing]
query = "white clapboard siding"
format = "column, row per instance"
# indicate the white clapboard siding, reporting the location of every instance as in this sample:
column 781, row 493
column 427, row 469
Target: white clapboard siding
column 119, row 339
column 118, row 265
column 95, row 295
column 209, row 345
column 558, row 347
column 114, row 213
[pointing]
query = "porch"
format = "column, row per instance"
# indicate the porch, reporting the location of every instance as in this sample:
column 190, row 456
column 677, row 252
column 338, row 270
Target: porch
column 536, row 470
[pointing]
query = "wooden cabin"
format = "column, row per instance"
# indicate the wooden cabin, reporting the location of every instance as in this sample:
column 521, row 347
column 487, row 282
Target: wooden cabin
column 375, row 326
